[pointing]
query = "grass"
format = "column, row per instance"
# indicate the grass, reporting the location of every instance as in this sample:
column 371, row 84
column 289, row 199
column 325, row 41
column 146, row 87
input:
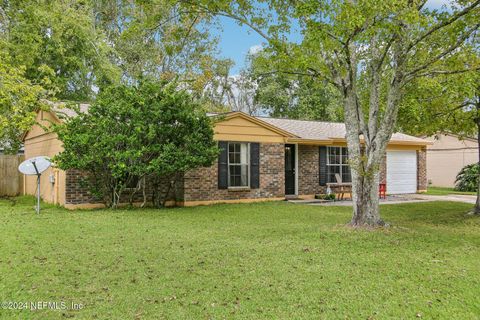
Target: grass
column 442, row 191
column 252, row 261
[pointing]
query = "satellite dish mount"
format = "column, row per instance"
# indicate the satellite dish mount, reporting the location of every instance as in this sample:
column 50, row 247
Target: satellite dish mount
column 35, row 166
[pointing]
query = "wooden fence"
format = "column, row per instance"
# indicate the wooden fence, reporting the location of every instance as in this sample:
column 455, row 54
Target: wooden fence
column 11, row 181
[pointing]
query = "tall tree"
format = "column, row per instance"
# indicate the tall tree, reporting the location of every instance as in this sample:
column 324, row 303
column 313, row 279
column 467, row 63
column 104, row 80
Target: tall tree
column 293, row 95
column 369, row 50
column 73, row 48
column 58, row 45
column 160, row 40
column 283, row 94
column 19, row 99
column 445, row 104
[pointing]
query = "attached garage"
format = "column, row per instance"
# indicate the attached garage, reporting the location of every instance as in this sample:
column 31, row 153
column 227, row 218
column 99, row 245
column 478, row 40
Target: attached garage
column 401, row 172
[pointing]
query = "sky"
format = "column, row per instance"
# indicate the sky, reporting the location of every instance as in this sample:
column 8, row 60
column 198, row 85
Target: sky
column 236, row 41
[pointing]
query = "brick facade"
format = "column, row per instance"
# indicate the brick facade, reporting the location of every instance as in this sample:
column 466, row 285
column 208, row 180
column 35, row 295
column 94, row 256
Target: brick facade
column 77, row 190
column 383, row 169
column 422, row 182
column 308, row 170
column 202, row 184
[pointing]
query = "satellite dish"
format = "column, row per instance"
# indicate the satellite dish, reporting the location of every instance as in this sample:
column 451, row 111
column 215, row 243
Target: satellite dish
column 35, row 166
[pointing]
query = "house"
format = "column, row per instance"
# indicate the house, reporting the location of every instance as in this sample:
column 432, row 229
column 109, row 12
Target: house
column 261, row 159
column 447, row 155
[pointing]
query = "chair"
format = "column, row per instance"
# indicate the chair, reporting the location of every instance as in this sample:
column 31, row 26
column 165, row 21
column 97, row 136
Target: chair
column 340, row 188
column 338, row 178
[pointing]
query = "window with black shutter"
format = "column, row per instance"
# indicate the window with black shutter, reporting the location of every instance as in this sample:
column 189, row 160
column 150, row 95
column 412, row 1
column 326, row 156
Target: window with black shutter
column 238, row 164
column 337, row 163
column 223, row 165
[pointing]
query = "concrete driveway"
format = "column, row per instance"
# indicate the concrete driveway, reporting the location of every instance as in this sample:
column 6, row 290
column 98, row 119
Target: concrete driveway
column 451, row 197
column 396, row 199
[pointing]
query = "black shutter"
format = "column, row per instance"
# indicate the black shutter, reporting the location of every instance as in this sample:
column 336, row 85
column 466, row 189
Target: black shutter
column 254, row 165
column 223, row 165
column 323, row 165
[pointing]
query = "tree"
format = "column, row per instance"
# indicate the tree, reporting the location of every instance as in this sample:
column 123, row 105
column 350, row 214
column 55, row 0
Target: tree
column 445, row 104
column 160, row 40
column 292, row 95
column 369, row 51
column 72, row 49
column 151, row 131
column 19, row 100
column 57, row 44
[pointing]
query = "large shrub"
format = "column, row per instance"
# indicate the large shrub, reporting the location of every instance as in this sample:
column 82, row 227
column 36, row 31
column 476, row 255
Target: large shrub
column 152, row 130
column 467, row 178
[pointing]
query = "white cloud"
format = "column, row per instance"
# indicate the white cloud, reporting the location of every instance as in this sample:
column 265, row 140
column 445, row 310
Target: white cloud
column 255, row 49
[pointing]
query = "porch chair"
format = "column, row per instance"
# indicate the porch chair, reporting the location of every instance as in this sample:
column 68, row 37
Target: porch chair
column 341, row 187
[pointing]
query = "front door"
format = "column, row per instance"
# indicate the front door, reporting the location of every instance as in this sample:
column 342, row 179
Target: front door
column 289, row 169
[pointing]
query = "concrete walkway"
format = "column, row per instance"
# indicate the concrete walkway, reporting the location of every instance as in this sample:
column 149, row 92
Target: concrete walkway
column 451, row 197
column 396, row 199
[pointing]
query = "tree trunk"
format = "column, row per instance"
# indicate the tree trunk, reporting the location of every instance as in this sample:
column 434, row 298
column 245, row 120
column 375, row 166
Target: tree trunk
column 365, row 199
column 364, row 163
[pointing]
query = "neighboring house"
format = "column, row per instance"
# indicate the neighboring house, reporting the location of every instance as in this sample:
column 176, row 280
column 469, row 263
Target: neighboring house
column 261, row 158
column 447, row 155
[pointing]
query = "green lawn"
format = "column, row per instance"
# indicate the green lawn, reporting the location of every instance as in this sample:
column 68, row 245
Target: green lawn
column 251, row 261
column 442, row 191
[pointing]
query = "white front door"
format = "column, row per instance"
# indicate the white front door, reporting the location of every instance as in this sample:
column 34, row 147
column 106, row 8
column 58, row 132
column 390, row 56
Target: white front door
column 401, row 172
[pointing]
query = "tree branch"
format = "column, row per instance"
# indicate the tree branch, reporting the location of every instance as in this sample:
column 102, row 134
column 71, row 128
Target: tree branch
column 443, row 54
column 460, row 106
column 443, row 24
column 442, row 72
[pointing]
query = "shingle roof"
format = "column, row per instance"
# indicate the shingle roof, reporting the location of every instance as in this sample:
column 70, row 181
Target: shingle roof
column 64, row 112
column 319, row 130
column 304, row 129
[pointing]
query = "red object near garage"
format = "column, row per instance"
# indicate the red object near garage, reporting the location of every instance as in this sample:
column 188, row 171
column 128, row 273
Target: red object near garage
column 382, row 191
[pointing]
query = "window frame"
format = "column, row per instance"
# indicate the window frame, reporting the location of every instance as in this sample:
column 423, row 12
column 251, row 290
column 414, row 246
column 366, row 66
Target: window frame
column 238, row 164
column 341, row 165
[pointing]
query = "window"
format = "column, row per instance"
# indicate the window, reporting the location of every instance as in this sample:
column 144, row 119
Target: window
column 337, row 162
column 238, row 164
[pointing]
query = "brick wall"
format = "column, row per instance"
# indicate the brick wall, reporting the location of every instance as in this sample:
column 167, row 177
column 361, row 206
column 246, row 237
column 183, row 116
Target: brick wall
column 202, row 184
column 77, row 190
column 422, row 182
column 383, row 169
column 308, row 170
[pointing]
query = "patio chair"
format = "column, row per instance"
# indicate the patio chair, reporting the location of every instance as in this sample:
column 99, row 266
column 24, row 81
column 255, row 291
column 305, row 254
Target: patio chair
column 340, row 188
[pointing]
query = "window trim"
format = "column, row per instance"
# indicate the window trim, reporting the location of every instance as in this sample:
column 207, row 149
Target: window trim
column 238, row 164
column 341, row 164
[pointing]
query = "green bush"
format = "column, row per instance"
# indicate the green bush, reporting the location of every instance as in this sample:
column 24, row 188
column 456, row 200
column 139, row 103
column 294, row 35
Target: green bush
column 467, row 178
column 330, row 196
column 152, row 131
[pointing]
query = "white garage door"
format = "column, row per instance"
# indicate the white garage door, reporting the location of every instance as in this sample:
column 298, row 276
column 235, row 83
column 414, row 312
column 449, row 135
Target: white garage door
column 401, row 172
